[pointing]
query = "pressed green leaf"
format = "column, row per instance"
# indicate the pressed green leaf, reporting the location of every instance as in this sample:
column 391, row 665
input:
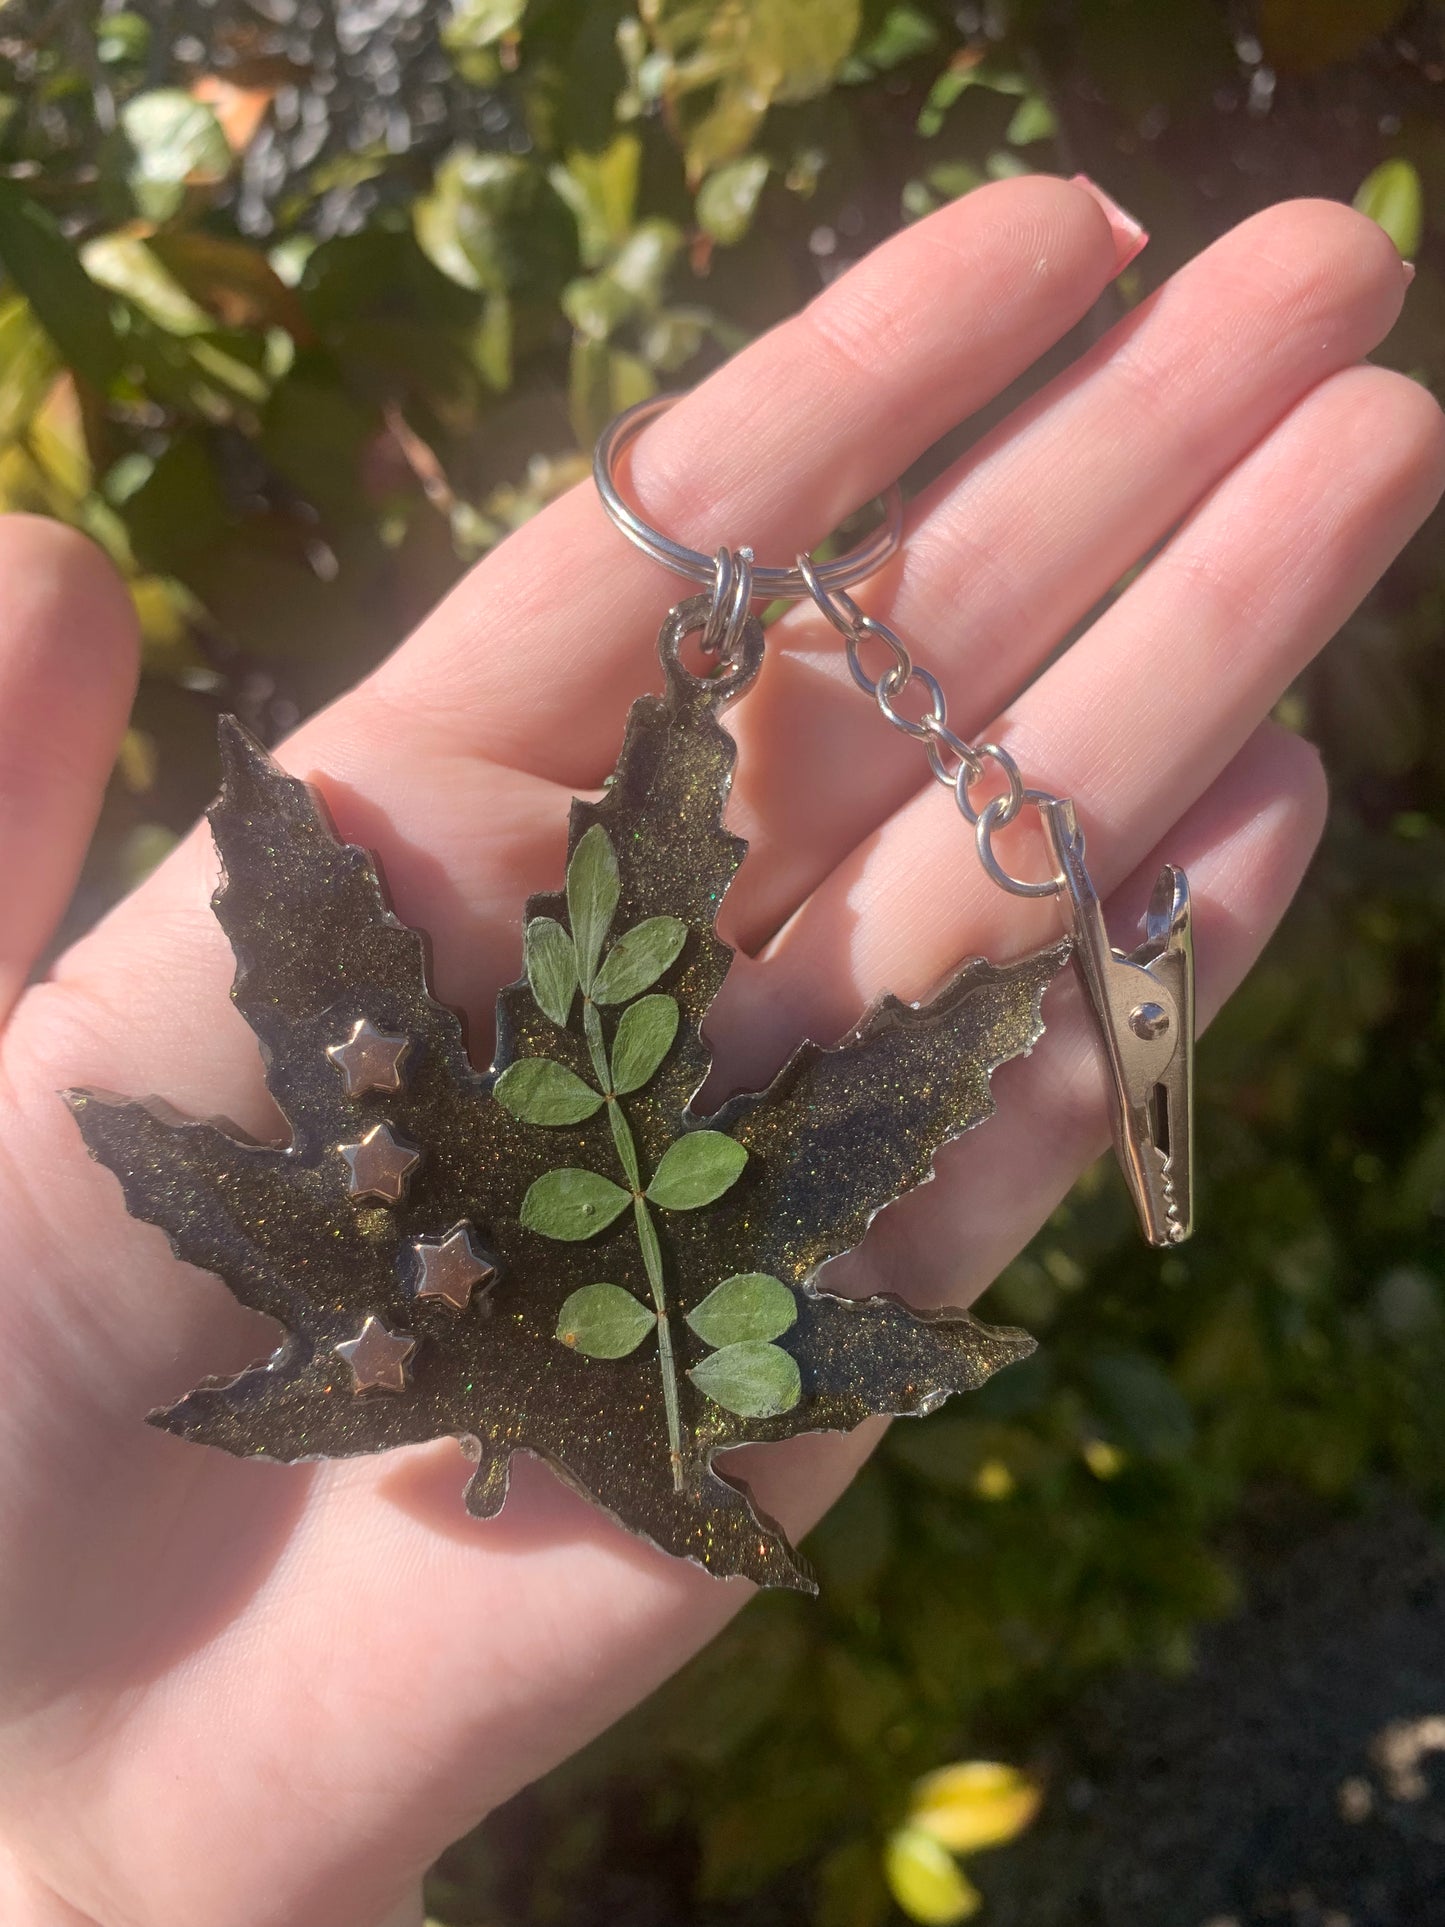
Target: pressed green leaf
column 1393, row 196
column 604, row 1321
column 753, row 1380
column 749, row 1305
column 644, row 1037
column 572, row 1205
column 638, row 959
column 592, row 890
column 728, row 198
column 170, row 143
column 45, row 268
column 551, row 968
column 695, row 1170
column 541, row 1092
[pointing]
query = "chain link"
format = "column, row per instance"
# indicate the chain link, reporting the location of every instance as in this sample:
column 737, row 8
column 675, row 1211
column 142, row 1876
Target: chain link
column 970, row 761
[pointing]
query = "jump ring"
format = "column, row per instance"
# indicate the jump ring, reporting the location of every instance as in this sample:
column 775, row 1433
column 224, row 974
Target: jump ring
column 1013, row 798
column 839, row 573
column 711, row 640
column 940, row 738
column 731, row 599
column 898, row 671
column 837, row 605
column 991, row 818
column 889, row 687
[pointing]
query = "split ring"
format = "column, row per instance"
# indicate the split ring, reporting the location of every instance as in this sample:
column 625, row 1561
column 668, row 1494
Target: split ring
column 768, row 583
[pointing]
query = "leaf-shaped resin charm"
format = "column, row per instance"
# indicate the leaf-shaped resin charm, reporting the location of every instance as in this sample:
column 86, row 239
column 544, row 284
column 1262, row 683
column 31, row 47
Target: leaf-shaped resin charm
column 556, row 1255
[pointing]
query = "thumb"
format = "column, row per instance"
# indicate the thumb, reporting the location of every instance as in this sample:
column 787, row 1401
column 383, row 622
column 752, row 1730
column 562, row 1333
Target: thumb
column 68, row 664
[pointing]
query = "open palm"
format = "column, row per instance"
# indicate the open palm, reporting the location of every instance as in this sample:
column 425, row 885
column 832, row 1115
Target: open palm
column 257, row 1696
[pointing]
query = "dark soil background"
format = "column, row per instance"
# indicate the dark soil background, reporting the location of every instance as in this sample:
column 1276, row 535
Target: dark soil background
column 1295, row 1779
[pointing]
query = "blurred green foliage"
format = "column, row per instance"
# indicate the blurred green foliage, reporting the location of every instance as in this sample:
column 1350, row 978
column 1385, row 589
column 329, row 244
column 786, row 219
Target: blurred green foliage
column 297, row 319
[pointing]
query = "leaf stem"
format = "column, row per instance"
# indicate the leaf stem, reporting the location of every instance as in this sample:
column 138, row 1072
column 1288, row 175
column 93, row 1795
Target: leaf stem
column 646, row 1232
column 652, row 1259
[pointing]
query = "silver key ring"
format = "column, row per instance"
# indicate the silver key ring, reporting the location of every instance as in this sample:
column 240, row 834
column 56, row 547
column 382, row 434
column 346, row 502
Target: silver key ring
column 767, row 583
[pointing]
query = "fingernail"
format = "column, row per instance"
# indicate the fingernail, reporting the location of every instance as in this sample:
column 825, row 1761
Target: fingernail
column 1408, row 268
column 1130, row 236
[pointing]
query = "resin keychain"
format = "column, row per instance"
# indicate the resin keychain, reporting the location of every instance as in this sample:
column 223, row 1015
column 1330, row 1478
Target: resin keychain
column 556, row 1255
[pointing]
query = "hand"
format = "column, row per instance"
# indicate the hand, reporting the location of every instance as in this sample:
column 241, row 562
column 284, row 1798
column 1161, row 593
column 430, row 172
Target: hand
column 247, row 1695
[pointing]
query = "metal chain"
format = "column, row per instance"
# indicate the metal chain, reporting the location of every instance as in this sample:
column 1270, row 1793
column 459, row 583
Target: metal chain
column 957, row 765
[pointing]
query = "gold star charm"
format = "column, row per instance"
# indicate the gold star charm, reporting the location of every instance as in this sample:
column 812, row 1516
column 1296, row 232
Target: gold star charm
column 451, row 1268
column 377, row 1357
column 379, row 1165
column 370, row 1059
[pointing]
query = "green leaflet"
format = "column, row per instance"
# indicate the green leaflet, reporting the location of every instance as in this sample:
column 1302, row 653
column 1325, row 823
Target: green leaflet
column 592, row 891
column 753, row 1379
column 644, row 1037
column 44, row 266
column 604, row 1321
column 696, row 1170
column 749, row 1305
column 638, row 959
column 541, row 1092
column 551, row 968
column 571, row 1205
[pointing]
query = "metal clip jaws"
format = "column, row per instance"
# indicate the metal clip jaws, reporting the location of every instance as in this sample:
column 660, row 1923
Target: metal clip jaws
column 1143, row 1004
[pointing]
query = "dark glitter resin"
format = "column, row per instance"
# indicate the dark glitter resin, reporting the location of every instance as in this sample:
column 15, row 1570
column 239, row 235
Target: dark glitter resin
column 839, row 1134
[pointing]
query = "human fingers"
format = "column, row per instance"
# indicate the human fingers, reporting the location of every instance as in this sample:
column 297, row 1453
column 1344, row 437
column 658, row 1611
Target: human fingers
column 534, row 658
column 1014, row 546
column 68, row 655
column 1137, row 719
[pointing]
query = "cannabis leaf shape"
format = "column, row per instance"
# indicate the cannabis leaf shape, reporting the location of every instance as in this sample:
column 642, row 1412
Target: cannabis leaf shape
column 486, row 1255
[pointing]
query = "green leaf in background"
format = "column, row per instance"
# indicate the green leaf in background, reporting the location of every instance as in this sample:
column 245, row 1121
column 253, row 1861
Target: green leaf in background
column 481, row 23
column 494, row 223
column 168, row 142
column 46, row 269
column 592, row 890
column 127, row 266
column 956, row 79
column 638, row 958
column 541, row 1092
column 728, row 198
column 1393, row 196
column 696, row 1170
column 1033, row 120
column 749, row 1305
column 926, row 1881
column 572, row 1205
column 601, row 190
column 906, row 33
column 601, row 382
column 551, row 968
column 752, row 1379
column 1141, row 1405
column 644, row 1037
column 121, row 38
column 29, row 364
column 604, row 1321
